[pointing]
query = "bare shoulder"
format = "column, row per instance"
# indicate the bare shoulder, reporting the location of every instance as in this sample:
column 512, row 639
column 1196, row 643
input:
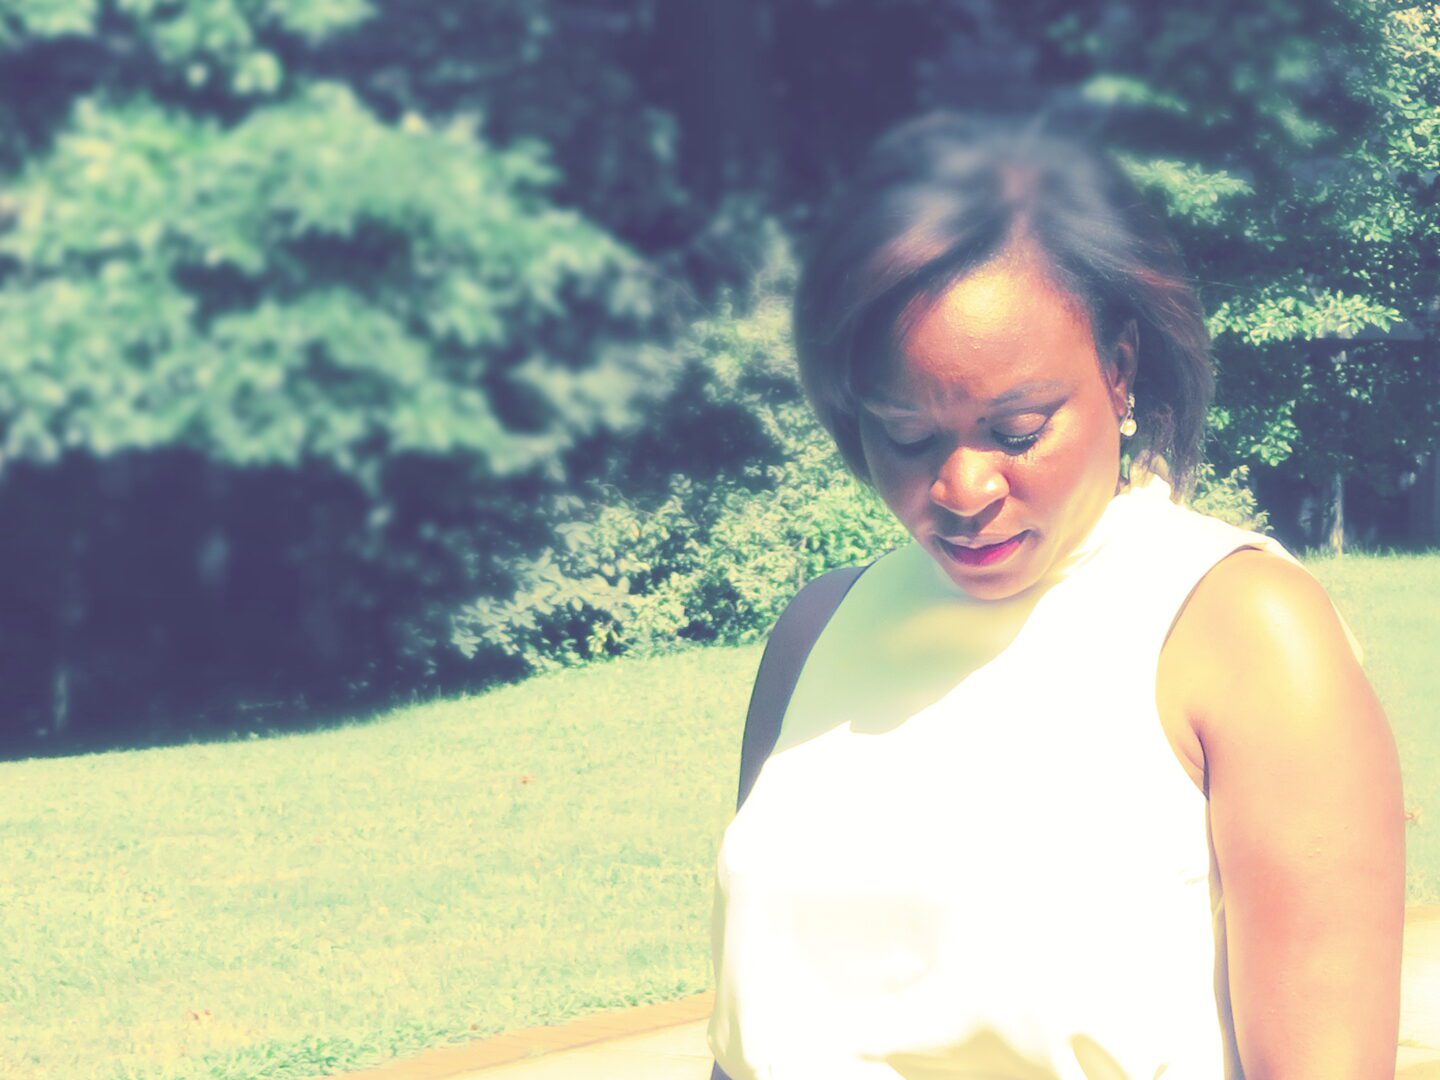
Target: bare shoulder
column 1306, row 816
column 1258, row 631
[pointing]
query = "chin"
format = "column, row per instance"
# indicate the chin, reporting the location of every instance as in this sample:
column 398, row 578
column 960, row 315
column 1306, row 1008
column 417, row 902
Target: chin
column 997, row 588
column 1000, row 581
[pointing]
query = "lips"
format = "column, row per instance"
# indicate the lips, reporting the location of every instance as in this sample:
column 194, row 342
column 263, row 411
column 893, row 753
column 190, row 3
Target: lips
column 981, row 542
column 972, row 554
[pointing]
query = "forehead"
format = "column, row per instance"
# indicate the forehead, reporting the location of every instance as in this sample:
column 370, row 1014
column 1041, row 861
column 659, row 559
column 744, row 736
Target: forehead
column 1005, row 325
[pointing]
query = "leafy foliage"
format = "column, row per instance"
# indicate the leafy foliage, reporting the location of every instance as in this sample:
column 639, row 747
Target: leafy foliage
column 712, row 563
column 1291, row 145
column 401, row 276
column 307, row 284
column 214, row 250
column 200, row 40
column 1229, row 498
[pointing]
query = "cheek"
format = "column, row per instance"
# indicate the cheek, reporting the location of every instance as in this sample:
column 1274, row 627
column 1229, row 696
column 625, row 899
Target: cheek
column 1064, row 467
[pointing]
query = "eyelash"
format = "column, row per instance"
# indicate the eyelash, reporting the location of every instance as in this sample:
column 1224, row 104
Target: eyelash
column 1022, row 442
column 1013, row 443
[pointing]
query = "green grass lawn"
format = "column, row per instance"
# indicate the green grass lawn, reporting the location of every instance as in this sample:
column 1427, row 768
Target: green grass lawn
column 1390, row 603
column 335, row 899
column 294, row 906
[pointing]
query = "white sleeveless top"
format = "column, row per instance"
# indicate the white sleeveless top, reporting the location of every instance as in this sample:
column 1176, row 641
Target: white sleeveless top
column 973, row 851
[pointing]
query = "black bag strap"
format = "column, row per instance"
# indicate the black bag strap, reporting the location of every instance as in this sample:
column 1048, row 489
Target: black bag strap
column 795, row 634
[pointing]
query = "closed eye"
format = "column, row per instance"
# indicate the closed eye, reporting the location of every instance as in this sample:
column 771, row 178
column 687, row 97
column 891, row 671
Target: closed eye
column 910, row 448
column 1019, row 442
column 1014, row 444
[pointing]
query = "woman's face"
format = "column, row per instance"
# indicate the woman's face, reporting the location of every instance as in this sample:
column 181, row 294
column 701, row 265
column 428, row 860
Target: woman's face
column 994, row 433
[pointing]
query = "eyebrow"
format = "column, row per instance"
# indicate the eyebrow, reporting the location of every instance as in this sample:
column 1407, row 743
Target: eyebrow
column 1024, row 390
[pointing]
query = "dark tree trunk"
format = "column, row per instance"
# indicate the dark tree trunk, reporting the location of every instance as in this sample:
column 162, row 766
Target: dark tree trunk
column 1337, row 513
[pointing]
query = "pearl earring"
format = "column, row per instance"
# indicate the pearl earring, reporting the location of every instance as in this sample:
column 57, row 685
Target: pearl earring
column 1128, row 425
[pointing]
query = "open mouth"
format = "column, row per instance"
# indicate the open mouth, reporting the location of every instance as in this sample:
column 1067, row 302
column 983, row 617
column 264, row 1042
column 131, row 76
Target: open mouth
column 988, row 555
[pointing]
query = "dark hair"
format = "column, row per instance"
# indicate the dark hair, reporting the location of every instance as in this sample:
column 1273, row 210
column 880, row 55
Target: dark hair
column 940, row 195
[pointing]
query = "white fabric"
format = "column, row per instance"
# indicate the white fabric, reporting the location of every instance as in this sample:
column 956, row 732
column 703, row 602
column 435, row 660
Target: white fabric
column 974, row 852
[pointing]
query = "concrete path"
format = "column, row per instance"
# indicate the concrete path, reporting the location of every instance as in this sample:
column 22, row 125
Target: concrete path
column 651, row 1042
column 677, row 1053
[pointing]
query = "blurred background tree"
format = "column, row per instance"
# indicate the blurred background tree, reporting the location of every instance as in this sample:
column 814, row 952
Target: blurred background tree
column 253, row 326
column 354, row 350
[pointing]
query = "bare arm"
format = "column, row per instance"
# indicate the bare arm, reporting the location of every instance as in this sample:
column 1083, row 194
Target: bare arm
column 1307, row 819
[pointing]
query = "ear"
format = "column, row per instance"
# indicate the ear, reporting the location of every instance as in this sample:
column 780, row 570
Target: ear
column 1124, row 361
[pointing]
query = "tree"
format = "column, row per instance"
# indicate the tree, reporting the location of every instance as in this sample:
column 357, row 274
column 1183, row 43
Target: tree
column 212, row 249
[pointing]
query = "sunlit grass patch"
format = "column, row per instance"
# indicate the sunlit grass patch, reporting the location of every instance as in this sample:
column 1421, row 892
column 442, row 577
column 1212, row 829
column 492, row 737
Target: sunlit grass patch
column 289, row 906
column 1391, row 601
column 305, row 904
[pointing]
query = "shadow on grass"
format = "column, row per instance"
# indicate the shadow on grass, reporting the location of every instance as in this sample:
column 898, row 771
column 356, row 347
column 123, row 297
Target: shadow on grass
column 267, row 720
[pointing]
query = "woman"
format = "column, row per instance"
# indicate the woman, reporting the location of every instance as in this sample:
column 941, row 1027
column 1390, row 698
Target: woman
column 1078, row 783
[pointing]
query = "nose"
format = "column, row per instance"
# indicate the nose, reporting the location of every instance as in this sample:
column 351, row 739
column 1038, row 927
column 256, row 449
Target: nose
column 970, row 481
